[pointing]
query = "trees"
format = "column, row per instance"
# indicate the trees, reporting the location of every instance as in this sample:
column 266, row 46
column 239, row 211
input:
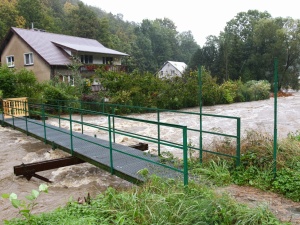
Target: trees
column 83, row 22
column 9, row 17
column 248, row 46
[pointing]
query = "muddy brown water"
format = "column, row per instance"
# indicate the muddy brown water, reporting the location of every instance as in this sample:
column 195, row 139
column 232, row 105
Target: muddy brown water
column 79, row 180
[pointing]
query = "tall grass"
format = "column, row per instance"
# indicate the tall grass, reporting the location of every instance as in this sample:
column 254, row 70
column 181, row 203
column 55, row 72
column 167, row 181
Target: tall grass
column 158, row 202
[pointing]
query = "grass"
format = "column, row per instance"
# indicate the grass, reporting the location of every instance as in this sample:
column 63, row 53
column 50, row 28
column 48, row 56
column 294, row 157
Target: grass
column 158, row 202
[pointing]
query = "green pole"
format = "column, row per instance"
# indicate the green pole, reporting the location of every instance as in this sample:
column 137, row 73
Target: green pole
column 44, row 123
column 238, row 143
column 71, row 131
column 26, row 113
column 113, row 119
column 185, row 157
column 110, row 146
column 275, row 114
column 81, row 117
column 200, row 106
column 158, row 131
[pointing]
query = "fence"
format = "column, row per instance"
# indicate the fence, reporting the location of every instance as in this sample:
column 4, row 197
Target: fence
column 106, row 107
column 15, row 106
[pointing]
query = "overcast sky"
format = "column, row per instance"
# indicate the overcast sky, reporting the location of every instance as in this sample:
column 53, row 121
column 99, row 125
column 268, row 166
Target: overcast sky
column 202, row 18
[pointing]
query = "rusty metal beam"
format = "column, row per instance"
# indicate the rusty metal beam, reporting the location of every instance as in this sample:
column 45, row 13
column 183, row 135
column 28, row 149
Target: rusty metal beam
column 29, row 170
column 140, row 146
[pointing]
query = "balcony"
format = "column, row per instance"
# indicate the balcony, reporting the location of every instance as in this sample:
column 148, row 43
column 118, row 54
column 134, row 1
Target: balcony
column 92, row 67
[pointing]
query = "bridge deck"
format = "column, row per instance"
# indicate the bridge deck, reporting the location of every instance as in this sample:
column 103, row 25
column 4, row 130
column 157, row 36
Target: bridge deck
column 127, row 161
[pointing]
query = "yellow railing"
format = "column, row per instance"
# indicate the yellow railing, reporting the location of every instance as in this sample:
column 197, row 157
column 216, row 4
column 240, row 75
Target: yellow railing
column 16, row 107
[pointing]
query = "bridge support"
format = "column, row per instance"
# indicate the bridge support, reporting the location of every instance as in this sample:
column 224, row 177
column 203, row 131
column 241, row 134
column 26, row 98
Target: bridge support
column 29, row 170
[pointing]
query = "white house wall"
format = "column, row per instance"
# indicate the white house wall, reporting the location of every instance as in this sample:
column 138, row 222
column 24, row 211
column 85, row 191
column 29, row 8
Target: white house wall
column 166, row 71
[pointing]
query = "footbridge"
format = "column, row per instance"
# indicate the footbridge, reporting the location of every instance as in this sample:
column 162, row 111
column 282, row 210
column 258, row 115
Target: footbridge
column 43, row 121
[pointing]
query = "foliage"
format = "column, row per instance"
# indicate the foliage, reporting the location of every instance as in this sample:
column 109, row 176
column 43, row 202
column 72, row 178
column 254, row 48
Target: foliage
column 20, row 83
column 246, row 49
column 158, row 201
column 25, row 207
column 146, row 90
column 7, row 81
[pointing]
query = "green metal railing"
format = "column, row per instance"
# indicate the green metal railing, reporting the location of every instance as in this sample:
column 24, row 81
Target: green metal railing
column 47, row 111
column 105, row 107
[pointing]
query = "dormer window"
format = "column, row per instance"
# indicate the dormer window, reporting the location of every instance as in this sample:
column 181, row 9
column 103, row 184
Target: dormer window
column 28, row 59
column 10, row 61
column 87, row 59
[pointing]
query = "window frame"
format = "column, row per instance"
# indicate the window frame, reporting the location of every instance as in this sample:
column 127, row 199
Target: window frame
column 30, row 59
column 12, row 63
column 69, row 79
column 87, row 59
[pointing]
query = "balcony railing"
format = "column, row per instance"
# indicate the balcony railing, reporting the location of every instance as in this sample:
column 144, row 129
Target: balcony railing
column 105, row 67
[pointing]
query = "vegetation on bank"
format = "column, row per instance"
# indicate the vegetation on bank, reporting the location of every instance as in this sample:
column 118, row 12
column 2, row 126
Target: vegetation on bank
column 257, row 165
column 134, row 89
column 157, row 202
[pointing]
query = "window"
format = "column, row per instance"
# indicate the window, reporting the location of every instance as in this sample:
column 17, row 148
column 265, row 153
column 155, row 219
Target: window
column 87, row 59
column 68, row 79
column 28, row 59
column 108, row 60
column 10, row 61
column 172, row 72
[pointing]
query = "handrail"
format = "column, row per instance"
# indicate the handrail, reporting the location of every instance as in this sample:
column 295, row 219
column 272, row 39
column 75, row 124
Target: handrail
column 113, row 107
column 43, row 109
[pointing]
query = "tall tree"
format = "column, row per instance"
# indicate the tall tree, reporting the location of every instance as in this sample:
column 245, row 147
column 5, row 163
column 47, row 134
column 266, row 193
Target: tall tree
column 83, row 22
column 9, row 17
column 239, row 35
column 31, row 10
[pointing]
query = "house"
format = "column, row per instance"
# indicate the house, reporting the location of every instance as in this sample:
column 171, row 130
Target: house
column 49, row 54
column 172, row 69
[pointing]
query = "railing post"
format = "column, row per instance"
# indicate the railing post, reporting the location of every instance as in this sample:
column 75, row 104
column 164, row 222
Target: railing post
column 2, row 108
column 158, row 132
column 81, row 117
column 59, row 111
column 26, row 113
column 110, row 146
column 114, row 135
column 185, row 156
column 71, row 132
column 12, row 112
column 44, row 122
column 200, row 107
column 238, row 142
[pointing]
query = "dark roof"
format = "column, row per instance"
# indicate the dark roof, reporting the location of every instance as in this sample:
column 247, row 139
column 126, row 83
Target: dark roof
column 51, row 46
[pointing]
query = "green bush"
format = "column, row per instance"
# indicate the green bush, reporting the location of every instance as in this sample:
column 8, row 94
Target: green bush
column 7, row 82
column 51, row 94
column 26, row 84
column 258, row 90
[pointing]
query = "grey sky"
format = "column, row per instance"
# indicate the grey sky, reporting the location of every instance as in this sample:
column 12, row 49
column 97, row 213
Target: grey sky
column 202, row 18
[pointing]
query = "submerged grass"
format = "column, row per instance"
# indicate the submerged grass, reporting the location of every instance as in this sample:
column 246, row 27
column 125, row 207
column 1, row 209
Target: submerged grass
column 158, row 202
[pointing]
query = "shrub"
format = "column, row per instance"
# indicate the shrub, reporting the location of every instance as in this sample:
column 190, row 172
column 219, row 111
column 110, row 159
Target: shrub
column 258, row 90
column 7, row 82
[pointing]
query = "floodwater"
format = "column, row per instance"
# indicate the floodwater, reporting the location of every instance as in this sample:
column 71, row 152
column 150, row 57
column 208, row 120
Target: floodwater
column 79, row 180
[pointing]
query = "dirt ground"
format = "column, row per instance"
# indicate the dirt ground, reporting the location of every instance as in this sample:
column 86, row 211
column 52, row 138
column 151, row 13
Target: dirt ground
column 284, row 209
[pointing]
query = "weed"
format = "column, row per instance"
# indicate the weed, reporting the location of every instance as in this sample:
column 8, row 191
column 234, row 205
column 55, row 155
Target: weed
column 25, row 207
